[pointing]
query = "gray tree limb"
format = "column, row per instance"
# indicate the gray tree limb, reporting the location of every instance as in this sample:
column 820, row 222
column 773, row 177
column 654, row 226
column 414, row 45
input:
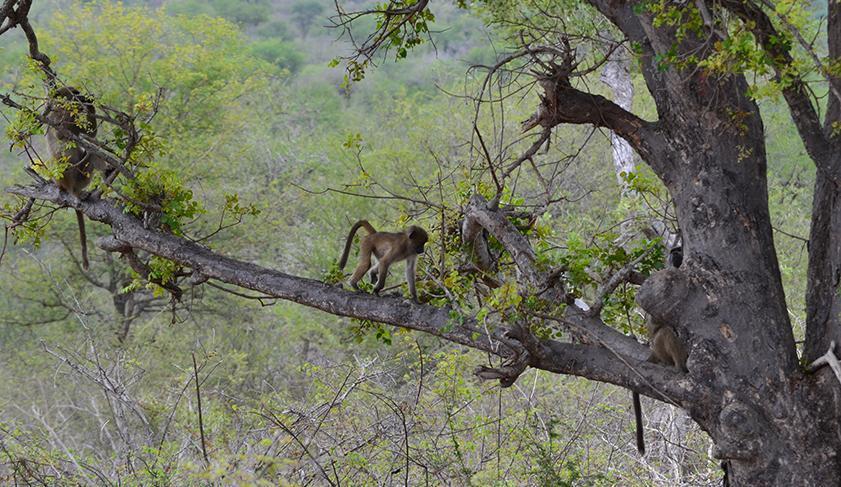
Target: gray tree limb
column 592, row 360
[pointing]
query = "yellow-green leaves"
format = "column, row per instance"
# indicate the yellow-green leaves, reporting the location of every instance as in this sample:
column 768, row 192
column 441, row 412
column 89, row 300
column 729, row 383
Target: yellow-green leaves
column 505, row 296
column 23, row 125
column 233, row 207
column 188, row 77
column 161, row 190
column 738, row 52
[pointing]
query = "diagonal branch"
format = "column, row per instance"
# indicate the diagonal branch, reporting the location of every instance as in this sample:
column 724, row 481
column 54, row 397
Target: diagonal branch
column 589, row 360
column 396, row 311
column 563, row 103
column 15, row 13
column 393, row 21
column 479, row 212
column 583, row 326
column 588, row 329
column 622, row 275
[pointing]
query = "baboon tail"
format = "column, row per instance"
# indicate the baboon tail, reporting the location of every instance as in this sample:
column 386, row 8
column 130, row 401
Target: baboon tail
column 638, row 416
column 361, row 223
column 83, row 240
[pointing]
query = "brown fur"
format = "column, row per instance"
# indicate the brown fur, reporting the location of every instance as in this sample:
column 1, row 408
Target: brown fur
column 388, row 248
column 70, row 112
column 666, row 348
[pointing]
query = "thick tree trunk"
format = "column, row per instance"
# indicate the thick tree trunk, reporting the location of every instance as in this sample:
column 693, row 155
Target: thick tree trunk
column 772, row 424
column 823, row 303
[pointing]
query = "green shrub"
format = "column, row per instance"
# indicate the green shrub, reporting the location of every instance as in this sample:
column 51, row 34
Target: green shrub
column 280, row 53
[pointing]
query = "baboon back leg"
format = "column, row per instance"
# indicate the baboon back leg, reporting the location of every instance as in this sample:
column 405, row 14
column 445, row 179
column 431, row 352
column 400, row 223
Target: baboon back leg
column 382, row 272
column 363, row 266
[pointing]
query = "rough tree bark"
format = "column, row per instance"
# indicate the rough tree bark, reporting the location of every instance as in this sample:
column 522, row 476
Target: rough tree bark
column 774, row 424
column 595, row 357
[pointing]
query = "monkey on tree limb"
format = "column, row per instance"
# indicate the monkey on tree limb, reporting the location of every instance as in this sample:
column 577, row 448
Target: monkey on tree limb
column 69, row 113
column 666, row 349
column 388, row 248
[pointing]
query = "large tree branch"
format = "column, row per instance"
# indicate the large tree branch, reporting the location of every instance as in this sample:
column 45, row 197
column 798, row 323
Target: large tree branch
column 623, row 16
column 562, row 103
column 130, row 231
column 823, row 302
column 589, row 329
column 603, row 363
column 833, row 35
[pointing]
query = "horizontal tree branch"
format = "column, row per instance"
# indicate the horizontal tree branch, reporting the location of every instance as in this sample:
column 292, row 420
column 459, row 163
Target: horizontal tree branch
column 598, row 363
column 589, row 329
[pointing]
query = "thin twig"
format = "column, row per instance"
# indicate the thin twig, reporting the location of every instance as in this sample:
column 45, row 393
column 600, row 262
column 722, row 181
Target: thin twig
column 201, row 420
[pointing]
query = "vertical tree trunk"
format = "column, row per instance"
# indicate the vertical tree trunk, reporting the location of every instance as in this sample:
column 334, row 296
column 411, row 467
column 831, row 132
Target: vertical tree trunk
column 617, row 75
column 823, row 303
column 726, row 301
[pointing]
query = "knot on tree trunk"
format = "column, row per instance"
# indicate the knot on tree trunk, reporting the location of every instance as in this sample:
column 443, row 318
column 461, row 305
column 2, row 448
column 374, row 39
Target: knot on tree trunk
column 739, row 428
column 549, row 112
column 664, row 294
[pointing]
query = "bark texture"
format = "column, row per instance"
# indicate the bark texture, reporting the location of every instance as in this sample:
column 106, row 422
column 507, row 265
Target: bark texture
column 595, row 357
column 772, row 424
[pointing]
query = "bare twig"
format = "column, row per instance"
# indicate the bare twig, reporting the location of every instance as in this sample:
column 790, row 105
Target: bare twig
column 623, row 275
column 830, row 359
column 201, row 420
